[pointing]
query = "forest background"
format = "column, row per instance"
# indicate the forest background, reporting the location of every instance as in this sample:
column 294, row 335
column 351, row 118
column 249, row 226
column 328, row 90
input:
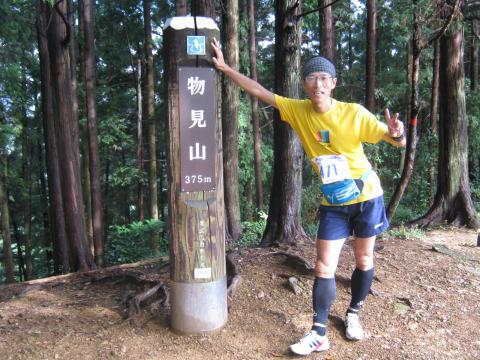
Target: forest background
column 115, row 131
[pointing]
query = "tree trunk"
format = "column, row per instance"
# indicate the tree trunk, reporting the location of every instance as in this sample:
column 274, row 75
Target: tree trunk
column 181, row 7
column 371, row 55
column 434, row 113
column 73, row 77
column 60, row 243
column 284, row 220
column 5, row 221
column 71, row 187
column 412, row 137
column 152, row 132
column 140, row 190
column 453, row 202
column 257, row 136
column 327, row 30
column 94, row 168
column 230, row 123
column 204, row 8
column 474, row 55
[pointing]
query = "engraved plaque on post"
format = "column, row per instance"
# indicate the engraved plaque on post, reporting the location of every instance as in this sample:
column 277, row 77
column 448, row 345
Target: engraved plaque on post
column 197, row 128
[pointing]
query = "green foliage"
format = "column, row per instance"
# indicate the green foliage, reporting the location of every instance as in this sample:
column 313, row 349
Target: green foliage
column 253, row 231
column 402, row 232
column 130, row 243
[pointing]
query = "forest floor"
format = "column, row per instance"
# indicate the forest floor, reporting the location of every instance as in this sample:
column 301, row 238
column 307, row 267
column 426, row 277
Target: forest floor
column 424, row 305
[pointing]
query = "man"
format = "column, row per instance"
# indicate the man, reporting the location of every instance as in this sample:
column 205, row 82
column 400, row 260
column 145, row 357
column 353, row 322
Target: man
column 332, row 133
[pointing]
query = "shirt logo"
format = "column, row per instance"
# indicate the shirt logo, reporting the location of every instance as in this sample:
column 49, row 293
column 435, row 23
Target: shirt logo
column 323, row 136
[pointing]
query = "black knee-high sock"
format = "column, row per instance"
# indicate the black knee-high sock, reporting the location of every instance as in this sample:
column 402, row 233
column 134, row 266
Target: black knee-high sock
column 360, row 285
column 323, row 294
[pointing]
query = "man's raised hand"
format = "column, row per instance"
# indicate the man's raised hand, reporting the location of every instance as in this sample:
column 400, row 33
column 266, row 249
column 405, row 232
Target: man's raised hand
column 395, row 126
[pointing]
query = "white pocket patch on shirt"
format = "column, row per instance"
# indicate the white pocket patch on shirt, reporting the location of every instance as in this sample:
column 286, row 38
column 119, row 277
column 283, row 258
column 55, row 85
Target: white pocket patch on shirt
column 332, row 168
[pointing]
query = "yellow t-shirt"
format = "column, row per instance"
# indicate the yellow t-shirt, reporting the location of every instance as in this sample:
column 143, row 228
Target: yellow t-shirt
column 341, row 130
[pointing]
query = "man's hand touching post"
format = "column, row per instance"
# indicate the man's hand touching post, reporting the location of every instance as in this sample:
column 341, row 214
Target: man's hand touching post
column 247, row 84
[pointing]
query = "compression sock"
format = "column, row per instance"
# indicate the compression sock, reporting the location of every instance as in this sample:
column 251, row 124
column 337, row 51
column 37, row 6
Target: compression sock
column 360, row 286
column 323, row 294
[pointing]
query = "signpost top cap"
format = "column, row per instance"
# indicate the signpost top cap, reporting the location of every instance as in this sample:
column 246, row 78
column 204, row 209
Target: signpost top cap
column 187, row 22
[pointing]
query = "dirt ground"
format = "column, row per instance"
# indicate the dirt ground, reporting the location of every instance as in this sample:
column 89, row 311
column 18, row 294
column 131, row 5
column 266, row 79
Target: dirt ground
column 425, row 305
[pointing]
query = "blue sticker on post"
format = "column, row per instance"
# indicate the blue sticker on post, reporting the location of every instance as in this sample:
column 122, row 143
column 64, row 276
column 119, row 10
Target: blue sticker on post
column 195, row 45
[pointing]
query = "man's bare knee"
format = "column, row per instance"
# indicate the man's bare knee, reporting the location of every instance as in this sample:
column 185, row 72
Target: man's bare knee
column 324, row 270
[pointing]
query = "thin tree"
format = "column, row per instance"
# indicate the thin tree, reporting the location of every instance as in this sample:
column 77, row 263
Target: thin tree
column 371, row 55
column 94, row 165
column 152, row 128
column 140, row 155
column 453, row 202
column 230, row 105
column 434, row 111
column 5, row 219
column 257, row 136
column 284, row 220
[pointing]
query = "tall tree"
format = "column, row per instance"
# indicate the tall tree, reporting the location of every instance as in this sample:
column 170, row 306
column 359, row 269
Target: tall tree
column 257, row 140
column 59, row 238
column 5, row 218
column 94, row 168
column 371, row 54
column 230, row 105
column 140, row 159
column 284, row 221
column 58, row 40
column 327, row 30
column 152, row 128
column 434, row 110
column 453, row 201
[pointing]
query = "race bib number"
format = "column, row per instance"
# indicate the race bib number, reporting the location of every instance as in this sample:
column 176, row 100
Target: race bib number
column 332, row 168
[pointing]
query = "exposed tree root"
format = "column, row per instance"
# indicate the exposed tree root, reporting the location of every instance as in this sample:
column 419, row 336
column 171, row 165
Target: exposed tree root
column 233, row 277
column 296, row 260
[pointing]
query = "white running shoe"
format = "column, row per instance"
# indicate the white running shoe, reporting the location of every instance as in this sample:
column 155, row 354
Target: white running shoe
column 353, row 327
column 310, row 342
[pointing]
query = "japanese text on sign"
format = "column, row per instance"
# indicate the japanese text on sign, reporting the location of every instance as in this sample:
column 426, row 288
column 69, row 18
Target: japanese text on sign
column 197, row 99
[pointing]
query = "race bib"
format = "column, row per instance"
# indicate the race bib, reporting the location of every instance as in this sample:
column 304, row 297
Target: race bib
column 332, row 168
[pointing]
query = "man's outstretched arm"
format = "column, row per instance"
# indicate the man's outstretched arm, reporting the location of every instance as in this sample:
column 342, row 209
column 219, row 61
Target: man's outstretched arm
column 250, row 86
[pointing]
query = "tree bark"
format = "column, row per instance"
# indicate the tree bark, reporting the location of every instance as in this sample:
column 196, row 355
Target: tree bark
column 60, row 242
column 453, row 202
column 152, row 128
column 257, row 136
column 414, row 109
column 474, row 55
column 284, row 220
column 434, row 113
column 371, row 55
column 94, row 165
column 230, row 123
column 327, row 30
column 204, row 8
column 68, row 151
column 5, row 221
column 181, row 7
column 140, row 189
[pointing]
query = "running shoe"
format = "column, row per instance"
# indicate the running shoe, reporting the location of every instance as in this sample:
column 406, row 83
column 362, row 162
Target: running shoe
column 310, row 342
column 354, row 330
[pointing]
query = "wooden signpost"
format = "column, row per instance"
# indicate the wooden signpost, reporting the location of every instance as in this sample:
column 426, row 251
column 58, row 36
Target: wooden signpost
column 196, row 204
